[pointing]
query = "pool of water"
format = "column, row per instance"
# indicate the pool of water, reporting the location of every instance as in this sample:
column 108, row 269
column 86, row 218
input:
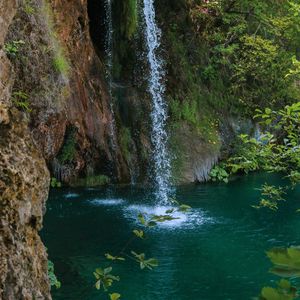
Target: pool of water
column 216, row 251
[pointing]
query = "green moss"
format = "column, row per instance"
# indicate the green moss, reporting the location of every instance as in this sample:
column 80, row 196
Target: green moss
column 131, row 18
column 29, row 7
column 68, row 150
column 60, row 61
column 61, row 64
column 125, row 141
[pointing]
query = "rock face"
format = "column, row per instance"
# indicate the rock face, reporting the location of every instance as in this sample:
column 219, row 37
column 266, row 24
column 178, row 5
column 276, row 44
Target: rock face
column 194, row 157
column 61, row 69
column 24, row 182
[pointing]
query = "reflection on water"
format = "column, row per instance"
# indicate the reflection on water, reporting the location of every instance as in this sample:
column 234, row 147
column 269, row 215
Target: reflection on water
column 216, row 251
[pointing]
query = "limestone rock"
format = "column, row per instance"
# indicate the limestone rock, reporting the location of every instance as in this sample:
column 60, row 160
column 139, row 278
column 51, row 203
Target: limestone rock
column 24, row 182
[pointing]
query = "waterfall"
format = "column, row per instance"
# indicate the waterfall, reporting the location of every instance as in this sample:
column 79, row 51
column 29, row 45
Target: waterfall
column 109, row 65
column 159, row 136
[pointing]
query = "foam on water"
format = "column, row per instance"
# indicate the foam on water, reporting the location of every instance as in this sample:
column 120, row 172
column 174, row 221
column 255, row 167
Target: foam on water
column 71, row 195
column 107, row 202
column 191, row 219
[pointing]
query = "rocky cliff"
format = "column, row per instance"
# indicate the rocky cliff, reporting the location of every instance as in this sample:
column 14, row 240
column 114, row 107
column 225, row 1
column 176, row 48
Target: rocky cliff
column 24, row 181
column 62, row 86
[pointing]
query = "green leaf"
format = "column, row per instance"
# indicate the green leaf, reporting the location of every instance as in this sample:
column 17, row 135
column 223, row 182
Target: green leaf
column 284, row 284
column 151, row 224
column 152, row 262
column 114, row 296
column 145, row 263
column 142, row 219
column 286, row 261
column 269, row 293
column 104, row 278
column 184, row 208
column 98, row 284
column 139, row 233
column 110, row 257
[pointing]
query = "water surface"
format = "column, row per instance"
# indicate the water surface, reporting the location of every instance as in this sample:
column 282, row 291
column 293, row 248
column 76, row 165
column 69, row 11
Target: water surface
column 217, row 251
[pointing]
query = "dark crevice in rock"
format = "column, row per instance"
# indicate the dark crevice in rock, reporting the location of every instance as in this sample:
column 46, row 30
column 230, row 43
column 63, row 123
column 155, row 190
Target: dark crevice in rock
column 97, row 23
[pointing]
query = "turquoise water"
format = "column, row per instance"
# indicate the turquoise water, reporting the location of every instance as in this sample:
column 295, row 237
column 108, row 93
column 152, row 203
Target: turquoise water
column 217, row 251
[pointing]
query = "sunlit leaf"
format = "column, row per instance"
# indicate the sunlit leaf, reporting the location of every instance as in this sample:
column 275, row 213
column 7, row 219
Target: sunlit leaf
column 114, row 296
column 143, row 262
column 111, row 257
column 139, row 233
column 142, row 219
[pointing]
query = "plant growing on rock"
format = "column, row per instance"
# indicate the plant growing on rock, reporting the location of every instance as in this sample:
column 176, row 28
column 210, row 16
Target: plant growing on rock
column 12, row 48
column 20, row 99
column 55, row 183
column 52, row 277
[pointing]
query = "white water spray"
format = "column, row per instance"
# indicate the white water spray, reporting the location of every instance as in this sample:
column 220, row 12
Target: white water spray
column 109, row 65
column 159, row 136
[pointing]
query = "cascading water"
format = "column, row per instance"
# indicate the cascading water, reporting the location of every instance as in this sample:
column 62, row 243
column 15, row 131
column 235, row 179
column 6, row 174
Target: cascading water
column 109, row 65
column 159, row 136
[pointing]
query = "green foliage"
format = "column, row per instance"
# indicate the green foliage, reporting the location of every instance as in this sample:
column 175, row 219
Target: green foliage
column 252, row 155
column 68, row 150
column 253, row 47
column 20, row 99
column 271, row 196
column 284, row 291
column 218, row 173
column 13, row 48
column 52, row 277
column 110, row 257
column 104, row 278
column 55, row 183
column 139, row 233
column 60, row 62
column 276, row 151
column 286, row 263
column 131, row 17
column 145, row 263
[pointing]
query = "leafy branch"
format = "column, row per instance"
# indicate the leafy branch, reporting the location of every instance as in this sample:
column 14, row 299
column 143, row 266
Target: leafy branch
column 104, row 278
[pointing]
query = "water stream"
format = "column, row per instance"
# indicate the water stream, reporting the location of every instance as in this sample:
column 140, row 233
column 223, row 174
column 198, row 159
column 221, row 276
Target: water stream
column 109, row 66
column 159, row 136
